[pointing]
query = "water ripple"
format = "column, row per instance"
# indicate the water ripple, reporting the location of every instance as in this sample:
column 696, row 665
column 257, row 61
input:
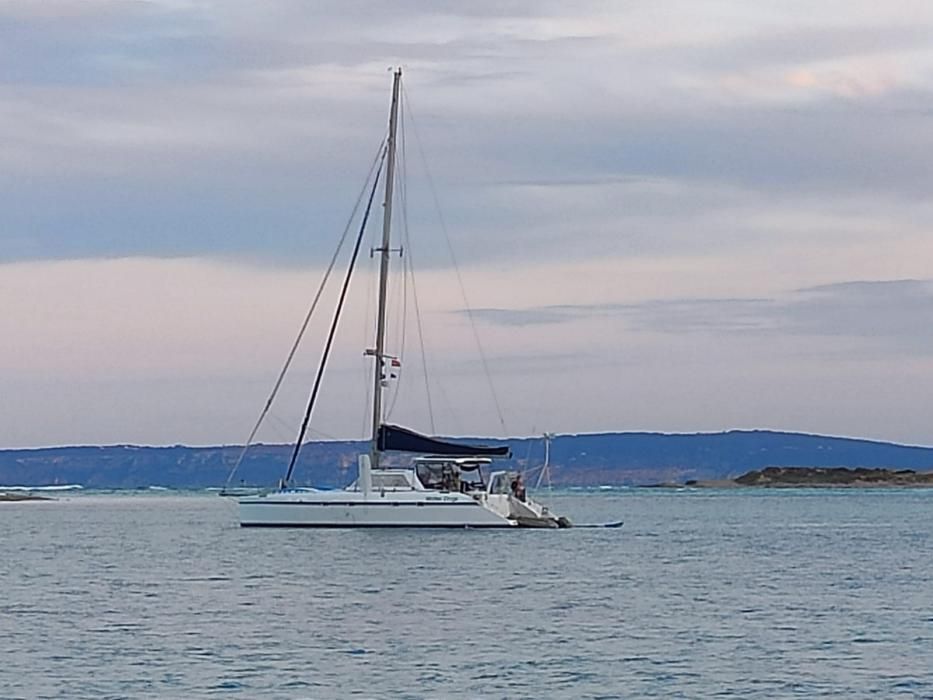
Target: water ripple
column 705, row 594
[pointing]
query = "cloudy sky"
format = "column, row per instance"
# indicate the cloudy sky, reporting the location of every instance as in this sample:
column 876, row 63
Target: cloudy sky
column 670, row 216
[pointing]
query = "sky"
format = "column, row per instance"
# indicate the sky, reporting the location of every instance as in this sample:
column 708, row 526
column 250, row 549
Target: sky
column 636, row 215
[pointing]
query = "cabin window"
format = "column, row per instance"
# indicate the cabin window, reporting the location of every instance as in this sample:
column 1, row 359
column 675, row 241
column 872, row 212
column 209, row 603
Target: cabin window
column 500, row 484
column 390, row 481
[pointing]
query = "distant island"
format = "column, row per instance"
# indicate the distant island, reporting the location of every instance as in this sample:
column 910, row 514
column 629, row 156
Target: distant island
column 790, row 477
column 588, row 459
column 801, row 476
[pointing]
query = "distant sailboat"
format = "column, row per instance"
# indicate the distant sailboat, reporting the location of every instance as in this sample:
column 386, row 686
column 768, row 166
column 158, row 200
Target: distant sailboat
column 445, row 486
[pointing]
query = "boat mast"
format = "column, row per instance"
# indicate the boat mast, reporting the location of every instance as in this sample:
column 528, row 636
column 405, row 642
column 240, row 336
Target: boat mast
column 379, row 372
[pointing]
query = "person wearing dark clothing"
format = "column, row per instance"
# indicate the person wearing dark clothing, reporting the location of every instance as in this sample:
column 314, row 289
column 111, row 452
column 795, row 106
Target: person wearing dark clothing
column 518, row 488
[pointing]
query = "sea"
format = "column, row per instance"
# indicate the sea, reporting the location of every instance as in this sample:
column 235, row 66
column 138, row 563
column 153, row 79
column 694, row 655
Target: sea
column 800, row 593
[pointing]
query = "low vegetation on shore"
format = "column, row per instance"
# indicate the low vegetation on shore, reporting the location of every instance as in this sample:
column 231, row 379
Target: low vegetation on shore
column 784, row 477
column 839, row 476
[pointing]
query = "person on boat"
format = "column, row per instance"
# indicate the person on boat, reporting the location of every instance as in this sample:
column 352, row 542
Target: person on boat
column 518, row 488
column 450, row 481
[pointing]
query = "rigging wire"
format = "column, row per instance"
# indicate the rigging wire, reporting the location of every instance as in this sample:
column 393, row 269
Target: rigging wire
column 380, row 153
column 410, row 261
column 453, row 258
column 369, row 322
column 282, row 428
column 528, row 453
column 424, row 357
column 290, row 430
column 333, row 326
column 409, row 274
column 457, row 423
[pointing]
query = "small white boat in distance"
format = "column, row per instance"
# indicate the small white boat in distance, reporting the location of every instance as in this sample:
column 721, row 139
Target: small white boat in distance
column 436, row 492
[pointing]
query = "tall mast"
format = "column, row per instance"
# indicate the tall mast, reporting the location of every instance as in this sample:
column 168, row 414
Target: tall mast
column 380, row 370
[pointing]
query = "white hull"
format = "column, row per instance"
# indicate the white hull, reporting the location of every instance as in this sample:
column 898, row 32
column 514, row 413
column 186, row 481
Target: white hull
column 351, row 509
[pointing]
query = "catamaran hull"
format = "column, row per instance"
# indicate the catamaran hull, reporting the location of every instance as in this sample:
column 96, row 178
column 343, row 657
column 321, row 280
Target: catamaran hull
column 345, row 515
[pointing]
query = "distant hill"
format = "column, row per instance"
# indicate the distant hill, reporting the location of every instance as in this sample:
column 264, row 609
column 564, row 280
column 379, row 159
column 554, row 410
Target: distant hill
column 586, row 459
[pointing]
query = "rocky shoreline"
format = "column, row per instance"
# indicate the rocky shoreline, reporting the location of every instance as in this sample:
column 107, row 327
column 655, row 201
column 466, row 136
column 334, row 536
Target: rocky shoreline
column 801, row 477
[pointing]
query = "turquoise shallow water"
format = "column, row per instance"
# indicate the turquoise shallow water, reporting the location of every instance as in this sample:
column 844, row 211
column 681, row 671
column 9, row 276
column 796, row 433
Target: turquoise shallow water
column 741, row 594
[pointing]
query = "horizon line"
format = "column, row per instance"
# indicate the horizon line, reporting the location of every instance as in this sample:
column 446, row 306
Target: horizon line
column 523, row 438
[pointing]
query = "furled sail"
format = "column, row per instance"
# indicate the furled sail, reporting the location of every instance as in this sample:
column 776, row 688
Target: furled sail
column 392, row 438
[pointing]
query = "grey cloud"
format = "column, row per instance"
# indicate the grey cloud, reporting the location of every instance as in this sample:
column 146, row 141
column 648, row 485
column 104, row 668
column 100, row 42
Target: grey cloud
column 105, row 44
column 895, row 313
column 669, row 315
column 825, row 147
column 170, row 129
column 132, row 43
column 518, row 317
column 898, row 309
column 784, row 47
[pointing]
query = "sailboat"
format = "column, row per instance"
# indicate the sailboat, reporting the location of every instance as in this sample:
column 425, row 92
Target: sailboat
column 445, row 485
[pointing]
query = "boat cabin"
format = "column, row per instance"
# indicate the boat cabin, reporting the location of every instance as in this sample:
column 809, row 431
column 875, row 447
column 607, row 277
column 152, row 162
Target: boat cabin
column 457, row 474
column 463, row 474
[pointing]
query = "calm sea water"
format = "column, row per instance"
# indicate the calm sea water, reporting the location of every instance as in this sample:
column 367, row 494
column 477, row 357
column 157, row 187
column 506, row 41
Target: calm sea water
column 744, row 594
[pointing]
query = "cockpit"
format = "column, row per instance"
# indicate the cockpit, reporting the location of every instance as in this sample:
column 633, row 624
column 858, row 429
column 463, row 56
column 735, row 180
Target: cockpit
column 462, row 474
